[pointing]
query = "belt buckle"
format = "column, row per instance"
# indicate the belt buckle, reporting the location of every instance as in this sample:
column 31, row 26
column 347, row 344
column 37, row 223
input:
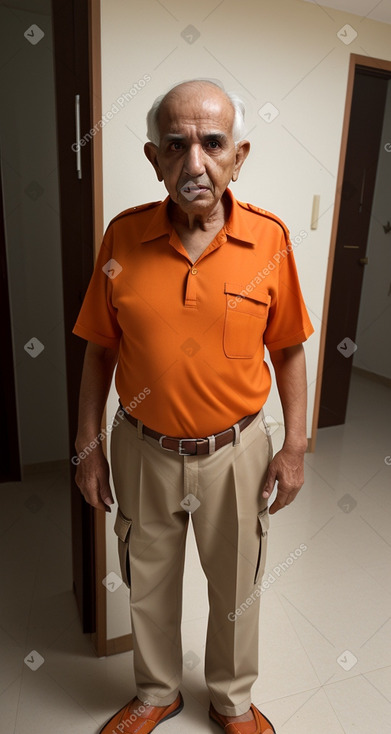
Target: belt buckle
column 181, row 450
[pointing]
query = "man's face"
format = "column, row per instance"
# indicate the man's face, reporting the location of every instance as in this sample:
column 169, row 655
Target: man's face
column 197, row 157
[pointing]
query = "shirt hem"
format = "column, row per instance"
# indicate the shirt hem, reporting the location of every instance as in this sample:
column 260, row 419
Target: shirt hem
column 91, row 336
column 298, row 338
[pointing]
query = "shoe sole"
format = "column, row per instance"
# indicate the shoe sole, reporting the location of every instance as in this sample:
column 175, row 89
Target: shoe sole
column 169, row 716
column 173, row 713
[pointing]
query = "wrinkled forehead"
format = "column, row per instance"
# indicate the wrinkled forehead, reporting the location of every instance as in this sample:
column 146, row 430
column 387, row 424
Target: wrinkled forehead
column 206, row 109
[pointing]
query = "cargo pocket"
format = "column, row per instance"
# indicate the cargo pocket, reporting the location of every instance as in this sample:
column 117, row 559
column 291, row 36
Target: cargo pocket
column 245, row 320
column 263, row 519
column 122, row 528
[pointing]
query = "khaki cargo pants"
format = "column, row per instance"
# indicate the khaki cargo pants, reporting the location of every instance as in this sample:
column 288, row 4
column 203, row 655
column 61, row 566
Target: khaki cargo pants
column 155, row 490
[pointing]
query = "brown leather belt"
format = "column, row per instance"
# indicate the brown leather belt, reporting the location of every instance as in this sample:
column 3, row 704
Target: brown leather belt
column 196, row 446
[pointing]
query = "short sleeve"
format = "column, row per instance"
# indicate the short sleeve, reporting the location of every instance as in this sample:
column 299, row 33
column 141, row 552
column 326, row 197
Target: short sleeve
column 288, row 321
column 97, row 319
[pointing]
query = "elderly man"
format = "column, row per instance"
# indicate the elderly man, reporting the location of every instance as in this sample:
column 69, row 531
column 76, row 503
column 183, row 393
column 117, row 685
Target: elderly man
column 184, row 296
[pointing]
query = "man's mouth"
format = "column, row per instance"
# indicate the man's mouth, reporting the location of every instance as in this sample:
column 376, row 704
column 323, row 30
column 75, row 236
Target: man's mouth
column 195, row 188
column 191, row 190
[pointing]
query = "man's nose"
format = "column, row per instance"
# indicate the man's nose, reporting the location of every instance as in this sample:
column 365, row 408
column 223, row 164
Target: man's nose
column 194, row 164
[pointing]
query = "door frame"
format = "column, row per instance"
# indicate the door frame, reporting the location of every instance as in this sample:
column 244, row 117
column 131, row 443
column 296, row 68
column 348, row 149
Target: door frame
column 72, row 30
column 77, row 49
column 356, row 60
column 99, row 637
column 124, row 643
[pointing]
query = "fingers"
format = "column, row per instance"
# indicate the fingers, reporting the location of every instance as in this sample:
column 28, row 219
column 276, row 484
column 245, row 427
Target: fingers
column 92, row 495
column 287, row 470
column 270, row 481
column 284, row 498
column 108, row 500
column 278, row 504
column 92, row 478
column 102, row 499
column 95, row 499
column 105, row 494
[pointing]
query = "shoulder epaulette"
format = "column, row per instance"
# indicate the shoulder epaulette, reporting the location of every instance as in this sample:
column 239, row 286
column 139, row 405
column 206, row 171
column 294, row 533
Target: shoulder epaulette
column 135, row 209
column 265, row 213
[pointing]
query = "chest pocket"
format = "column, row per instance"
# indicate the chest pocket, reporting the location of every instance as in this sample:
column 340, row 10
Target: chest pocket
column 245, row 320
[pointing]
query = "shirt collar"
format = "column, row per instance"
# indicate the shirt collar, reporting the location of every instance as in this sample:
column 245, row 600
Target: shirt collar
column 235, row 226
column 159, row 224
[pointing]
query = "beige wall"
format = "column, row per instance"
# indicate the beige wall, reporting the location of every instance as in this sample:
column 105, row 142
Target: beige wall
column 285, row 52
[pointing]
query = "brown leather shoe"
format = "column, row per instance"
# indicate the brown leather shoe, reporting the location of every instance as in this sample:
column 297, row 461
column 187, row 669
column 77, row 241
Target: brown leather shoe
column 127, row 721
column 259, row 725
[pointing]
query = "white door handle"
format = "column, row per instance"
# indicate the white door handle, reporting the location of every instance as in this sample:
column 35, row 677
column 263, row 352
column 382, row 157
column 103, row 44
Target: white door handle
column 77, row 120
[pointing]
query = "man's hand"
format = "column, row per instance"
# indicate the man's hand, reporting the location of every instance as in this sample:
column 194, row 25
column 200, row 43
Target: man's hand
column 92, row 478
column 92, row 474
column 287, row 468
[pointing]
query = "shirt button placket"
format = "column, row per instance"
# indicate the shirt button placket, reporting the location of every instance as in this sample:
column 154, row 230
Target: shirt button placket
column 191, row 287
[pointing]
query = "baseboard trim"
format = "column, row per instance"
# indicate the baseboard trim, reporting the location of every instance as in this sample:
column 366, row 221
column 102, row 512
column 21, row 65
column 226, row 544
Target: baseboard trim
column 119, row 644
column 372, row 376
column 31, row 470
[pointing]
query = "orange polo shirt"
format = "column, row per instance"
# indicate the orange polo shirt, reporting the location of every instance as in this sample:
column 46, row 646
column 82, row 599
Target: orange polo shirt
column 191, row 336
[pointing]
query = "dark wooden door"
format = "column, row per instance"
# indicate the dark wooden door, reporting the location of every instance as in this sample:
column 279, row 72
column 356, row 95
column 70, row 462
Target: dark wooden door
column 9, row 439
column 72, row 77
column 365, row 129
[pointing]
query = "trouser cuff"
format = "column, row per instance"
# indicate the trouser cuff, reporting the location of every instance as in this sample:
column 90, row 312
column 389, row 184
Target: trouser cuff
column 238, row 710
column 153, row 700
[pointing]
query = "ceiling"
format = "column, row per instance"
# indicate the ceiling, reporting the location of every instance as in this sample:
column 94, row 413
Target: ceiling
column 372, row 9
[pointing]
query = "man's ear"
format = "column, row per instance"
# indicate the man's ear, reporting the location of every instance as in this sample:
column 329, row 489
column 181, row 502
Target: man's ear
column 242, row 151
column 151, row 150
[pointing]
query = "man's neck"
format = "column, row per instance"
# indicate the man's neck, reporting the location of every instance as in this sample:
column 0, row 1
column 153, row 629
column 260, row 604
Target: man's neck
column 194, row 221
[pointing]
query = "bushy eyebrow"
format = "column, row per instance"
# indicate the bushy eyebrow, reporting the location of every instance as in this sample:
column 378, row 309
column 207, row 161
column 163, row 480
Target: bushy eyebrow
column 177, row 137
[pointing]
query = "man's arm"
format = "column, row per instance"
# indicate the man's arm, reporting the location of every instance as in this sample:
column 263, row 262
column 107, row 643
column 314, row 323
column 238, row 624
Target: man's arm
column 287, row 467
column 92, row 474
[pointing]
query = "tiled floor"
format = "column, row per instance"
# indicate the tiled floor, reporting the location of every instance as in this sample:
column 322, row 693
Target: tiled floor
column 325, row 642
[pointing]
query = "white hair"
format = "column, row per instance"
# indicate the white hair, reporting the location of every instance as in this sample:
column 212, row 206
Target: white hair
column 238, row 128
